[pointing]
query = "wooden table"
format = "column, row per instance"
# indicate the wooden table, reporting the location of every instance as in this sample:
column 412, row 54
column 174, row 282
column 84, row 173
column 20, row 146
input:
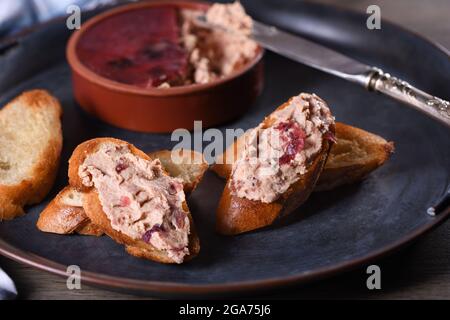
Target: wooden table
column 421, row 271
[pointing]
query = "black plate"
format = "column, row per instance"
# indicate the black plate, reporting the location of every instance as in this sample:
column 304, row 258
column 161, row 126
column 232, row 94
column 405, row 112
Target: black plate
column 333, row 232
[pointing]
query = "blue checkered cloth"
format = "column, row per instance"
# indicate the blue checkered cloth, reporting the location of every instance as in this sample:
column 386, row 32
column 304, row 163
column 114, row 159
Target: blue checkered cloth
column 18, row 14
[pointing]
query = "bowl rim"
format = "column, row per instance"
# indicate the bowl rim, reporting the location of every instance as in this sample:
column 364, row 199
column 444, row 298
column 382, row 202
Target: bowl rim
column 77, row 66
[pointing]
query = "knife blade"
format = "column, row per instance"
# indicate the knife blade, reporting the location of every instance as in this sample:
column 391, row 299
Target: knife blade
column 310, row 53
column 325, row 59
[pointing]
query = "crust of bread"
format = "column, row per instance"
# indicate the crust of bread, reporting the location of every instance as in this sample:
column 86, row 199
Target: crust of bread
column 236, row 215
column 61, row 218
column 33, row 189
column 94, row 210
column 189, row 166
column 356, row 154
column 224, row 162
column 64, row 218
column 89, row 229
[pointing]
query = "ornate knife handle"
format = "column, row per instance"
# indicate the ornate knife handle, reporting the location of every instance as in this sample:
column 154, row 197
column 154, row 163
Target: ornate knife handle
column 434, row 107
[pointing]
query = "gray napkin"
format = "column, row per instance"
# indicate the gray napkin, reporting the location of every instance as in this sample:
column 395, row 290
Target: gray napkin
column 8, row 290
column 18, row 14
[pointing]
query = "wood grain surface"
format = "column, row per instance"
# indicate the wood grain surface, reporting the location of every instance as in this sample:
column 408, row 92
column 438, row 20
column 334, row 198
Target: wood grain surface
column 421, row 271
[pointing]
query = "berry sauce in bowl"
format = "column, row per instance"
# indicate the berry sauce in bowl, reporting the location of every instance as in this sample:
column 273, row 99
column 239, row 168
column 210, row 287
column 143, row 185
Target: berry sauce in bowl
column 131, row 68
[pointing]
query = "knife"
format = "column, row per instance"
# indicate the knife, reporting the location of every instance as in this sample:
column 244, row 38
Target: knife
column 335, row 63
column 330, row 61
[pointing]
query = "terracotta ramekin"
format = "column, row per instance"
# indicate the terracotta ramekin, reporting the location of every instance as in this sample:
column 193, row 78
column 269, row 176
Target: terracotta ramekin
column 162, row 110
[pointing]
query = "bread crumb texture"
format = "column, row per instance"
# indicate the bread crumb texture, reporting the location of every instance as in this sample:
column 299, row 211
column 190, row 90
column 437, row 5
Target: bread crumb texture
column 30, row 147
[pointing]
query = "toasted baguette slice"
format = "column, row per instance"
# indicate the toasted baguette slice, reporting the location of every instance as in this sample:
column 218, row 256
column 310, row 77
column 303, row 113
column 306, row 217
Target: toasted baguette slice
column 89, row 229
column 188, row 165
column 356, row 154
column 237, row 215
column 30, row 148
column 352, row 158
column 65, row 213
column 224, row 162
column 94, row 210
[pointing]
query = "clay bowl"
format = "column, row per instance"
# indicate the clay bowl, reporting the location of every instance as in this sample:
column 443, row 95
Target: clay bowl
column 162, row 110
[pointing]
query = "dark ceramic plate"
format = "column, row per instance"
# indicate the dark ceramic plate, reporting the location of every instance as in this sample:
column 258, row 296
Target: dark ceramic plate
column 333, row 232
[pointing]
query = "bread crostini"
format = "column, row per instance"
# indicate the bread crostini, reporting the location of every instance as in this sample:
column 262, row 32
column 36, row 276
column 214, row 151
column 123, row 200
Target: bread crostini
column 281, row 161
column 133, row 200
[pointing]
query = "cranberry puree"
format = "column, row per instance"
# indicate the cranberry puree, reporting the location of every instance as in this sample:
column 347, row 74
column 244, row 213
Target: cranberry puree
column 292, row 138
column 137, row 47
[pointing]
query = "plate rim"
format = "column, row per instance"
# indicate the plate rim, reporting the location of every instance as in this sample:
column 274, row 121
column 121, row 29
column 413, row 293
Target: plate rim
column 164, row 287
column 95, row 278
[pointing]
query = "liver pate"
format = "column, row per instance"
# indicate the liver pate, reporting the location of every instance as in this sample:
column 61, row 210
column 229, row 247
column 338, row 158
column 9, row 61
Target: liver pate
column 277, row 152
column 215, row 53
column 139, row 198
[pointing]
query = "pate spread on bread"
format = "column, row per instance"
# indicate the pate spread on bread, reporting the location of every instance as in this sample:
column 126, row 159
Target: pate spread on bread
column 139, row 198
column 280, row 166
column 355, row 155
column 275, row 155
column 65, row 213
